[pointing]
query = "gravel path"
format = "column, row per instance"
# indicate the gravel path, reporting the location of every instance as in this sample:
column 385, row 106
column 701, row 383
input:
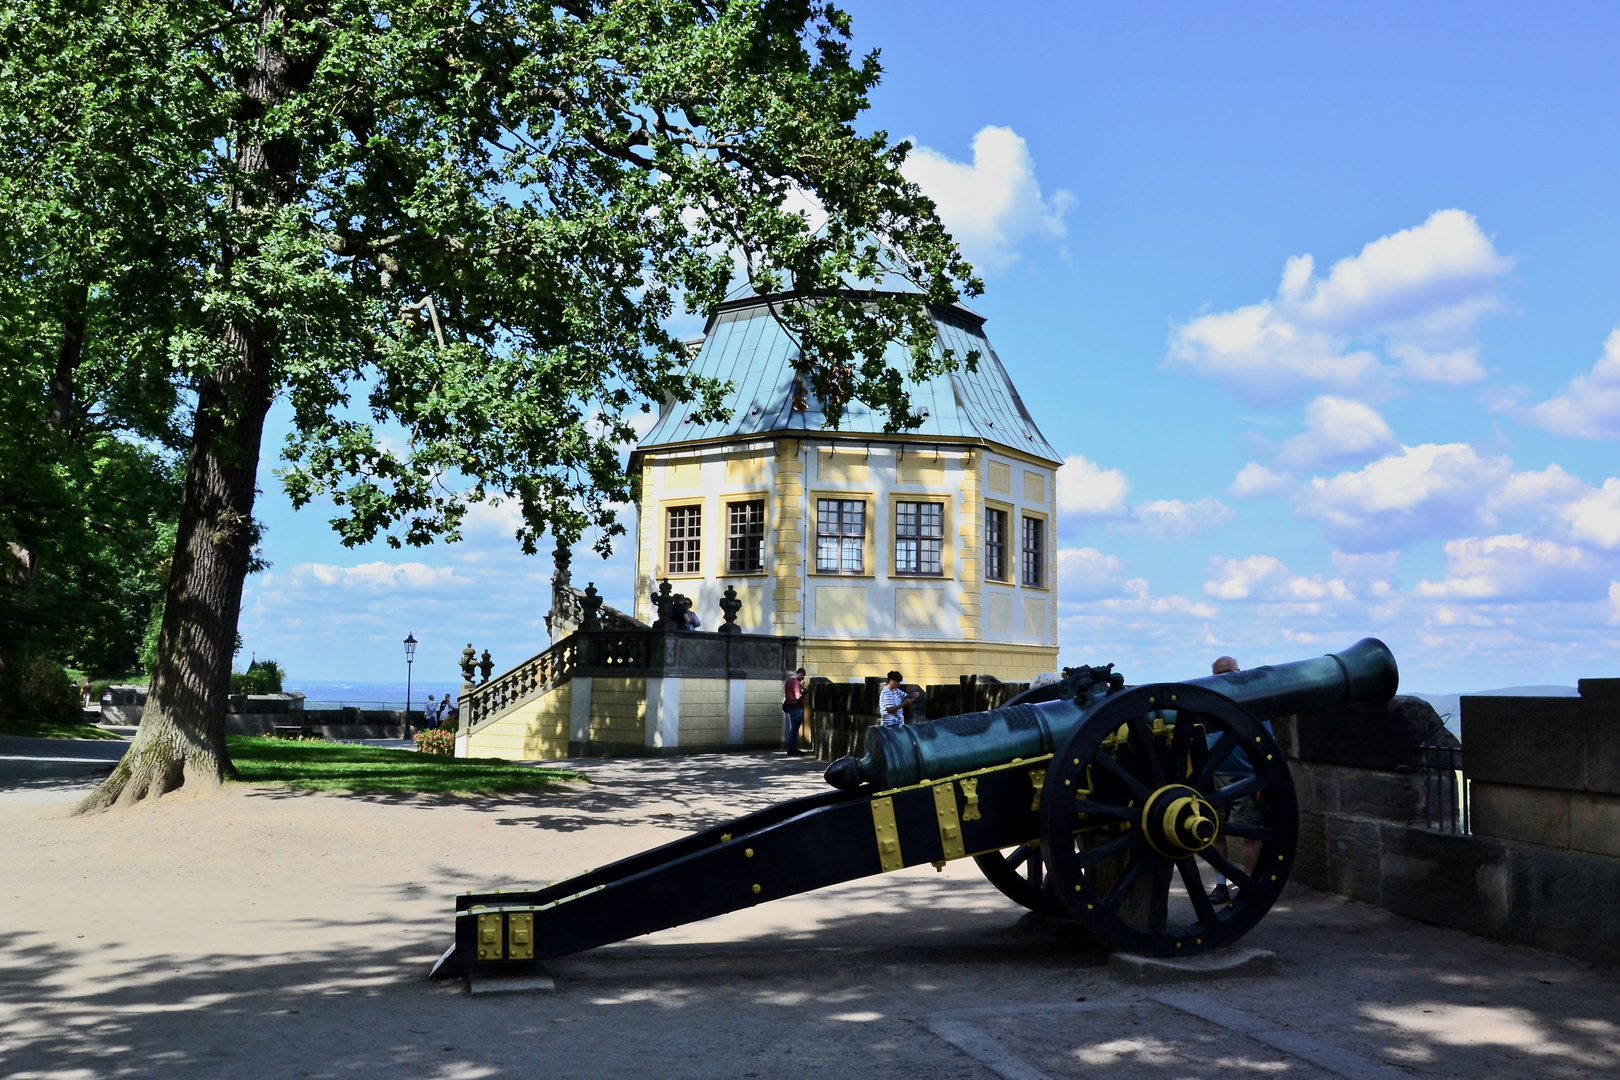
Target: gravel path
column 264, row 933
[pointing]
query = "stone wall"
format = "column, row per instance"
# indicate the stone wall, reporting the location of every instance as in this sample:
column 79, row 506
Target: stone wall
column 1542, row 867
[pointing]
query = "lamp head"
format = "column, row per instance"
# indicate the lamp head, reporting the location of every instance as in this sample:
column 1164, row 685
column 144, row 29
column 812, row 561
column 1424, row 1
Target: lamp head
column 410, row 646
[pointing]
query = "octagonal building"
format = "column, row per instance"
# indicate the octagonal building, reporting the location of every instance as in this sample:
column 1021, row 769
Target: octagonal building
column 932, row 551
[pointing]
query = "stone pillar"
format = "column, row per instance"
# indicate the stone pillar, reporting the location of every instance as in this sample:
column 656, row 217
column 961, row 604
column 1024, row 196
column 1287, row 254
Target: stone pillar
column 579, row 715
column 663, row 713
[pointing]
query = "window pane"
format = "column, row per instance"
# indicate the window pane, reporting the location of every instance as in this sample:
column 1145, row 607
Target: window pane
column 919, row 530
column 745, row 537
column 995, row 545
column 1033, row 564
column 840, row 536
column 685, row 540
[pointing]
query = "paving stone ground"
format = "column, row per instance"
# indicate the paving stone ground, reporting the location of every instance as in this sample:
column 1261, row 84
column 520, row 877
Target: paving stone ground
column 262, row 933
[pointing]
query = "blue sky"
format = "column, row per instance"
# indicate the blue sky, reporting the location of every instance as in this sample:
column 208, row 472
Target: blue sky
column 1316, row 300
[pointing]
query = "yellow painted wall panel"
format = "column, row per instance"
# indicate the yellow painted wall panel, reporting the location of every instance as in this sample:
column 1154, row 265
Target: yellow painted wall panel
column 920, row 609
column 841, row 607
column 1001, row 477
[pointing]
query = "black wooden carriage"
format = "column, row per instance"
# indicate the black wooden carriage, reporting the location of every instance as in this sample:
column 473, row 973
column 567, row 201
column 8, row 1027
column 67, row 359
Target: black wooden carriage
column 1082, row 799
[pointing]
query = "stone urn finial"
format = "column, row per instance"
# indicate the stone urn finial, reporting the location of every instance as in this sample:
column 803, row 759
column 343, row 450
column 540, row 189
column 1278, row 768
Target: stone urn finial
column 729, row 606
column 485, row 666
column 468, row 660
column 663, row 602
column 591, row 602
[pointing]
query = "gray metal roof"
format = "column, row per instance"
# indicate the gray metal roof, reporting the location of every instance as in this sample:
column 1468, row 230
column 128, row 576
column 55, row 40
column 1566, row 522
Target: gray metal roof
column 748, row 348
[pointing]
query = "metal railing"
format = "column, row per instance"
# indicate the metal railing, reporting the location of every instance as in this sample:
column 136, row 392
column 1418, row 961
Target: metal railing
column 1446, row 786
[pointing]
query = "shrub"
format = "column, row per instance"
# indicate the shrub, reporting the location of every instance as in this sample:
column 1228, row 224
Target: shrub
column 436, row 741
column 47, row 694
column 261, row 677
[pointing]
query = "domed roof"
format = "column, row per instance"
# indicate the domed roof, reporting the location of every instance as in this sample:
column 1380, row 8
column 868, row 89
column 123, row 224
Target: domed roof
column 747, row 347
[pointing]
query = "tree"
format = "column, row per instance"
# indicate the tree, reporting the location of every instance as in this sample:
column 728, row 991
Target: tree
column 557, row 178
column 89, row 414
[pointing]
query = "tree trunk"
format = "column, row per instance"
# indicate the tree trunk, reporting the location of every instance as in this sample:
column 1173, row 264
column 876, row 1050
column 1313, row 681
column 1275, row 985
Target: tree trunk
column 182, row 734
column 60, row 417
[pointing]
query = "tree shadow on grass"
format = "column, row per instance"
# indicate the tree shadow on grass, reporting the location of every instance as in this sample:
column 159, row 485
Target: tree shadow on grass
column 688, row 793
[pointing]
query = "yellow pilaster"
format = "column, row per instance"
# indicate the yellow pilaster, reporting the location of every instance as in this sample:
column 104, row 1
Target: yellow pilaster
column 970, row 566
column 789, row 543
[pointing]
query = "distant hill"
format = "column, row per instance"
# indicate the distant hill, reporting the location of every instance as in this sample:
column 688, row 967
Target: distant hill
column 1450, row 709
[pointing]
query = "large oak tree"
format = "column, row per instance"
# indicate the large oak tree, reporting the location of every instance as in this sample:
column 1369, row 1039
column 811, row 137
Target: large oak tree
column 559, row 178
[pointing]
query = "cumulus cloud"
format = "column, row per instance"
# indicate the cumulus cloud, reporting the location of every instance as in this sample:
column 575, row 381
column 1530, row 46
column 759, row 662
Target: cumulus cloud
column 1255, row 481
column 1265, row 577
column 1594, row 518
column 1404, row 307
column 1087, row 490
column 1516, row 567
column 1338, row 432
column 1420, row 491
column 1589, row 407
column 994, row 204
column 1172, row 520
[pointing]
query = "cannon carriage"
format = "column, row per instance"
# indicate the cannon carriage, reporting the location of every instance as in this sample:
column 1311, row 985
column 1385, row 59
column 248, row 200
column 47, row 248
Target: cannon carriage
column 1083, row 799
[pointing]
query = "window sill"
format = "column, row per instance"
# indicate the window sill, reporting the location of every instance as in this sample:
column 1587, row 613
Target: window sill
column 762, row 572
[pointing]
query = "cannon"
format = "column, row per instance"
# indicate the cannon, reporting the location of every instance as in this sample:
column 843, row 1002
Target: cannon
column 1083, row 799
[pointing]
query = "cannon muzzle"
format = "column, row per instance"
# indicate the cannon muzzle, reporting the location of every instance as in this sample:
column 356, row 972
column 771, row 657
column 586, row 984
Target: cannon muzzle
column 898, row 756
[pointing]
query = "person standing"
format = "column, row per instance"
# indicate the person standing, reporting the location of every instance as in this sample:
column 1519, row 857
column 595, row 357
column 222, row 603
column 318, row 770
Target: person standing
column 892, row 701
column 793, row 711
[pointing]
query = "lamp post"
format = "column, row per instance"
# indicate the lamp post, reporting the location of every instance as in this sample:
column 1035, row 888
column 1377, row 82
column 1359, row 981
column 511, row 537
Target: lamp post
column 410, row 656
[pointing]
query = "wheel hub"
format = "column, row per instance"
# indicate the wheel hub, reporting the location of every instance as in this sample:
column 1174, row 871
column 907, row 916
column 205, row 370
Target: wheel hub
column 1177, row 821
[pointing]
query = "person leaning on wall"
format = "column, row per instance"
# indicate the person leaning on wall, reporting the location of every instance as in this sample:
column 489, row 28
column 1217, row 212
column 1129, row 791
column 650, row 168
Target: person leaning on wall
column 892, row 700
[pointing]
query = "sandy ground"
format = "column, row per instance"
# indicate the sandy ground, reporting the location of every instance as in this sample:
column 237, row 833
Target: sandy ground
column 261, row 933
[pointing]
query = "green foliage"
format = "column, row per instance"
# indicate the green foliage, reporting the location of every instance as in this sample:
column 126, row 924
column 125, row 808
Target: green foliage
column 261, row 677
column 436, row 741
column 320, row 766
column 48, row 695
column 560, row 179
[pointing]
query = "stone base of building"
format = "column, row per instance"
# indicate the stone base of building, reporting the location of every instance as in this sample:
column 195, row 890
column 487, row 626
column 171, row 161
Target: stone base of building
column 924, row 662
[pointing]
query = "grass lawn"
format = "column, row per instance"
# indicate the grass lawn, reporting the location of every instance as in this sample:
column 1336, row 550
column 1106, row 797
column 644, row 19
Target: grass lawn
column 324, row 766
column 46, row 729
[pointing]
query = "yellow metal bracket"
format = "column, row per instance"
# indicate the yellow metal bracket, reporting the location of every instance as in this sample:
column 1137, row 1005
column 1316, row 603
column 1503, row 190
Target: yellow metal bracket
column 888, row 835
column 970, row 791
column 489, row 937
column 1037, row 777
column 950, row 828
column 520, row 936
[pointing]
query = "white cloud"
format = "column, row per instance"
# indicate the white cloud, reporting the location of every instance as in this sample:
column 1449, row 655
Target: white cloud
column 1172, row 519
column 373, row 577
column 1255, row 481
column 993, row 204
column 1417, row 294
column 1338, row 431
column 1515, row 567
column 1088, row 574
column 1087, row 490
column 1264, row 577
column 1423, row 490
column 1595, row 517
column 1590, row 406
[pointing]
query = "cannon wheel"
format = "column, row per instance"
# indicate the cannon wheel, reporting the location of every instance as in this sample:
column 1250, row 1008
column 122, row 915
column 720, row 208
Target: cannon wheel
column 1020, row 873
column 1128, row 814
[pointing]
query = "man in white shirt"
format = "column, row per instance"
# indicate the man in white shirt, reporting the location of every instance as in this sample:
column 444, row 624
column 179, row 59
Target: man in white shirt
column 892, row 701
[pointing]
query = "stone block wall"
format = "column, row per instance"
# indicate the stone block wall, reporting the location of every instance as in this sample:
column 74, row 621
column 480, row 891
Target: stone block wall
column 1542, row 867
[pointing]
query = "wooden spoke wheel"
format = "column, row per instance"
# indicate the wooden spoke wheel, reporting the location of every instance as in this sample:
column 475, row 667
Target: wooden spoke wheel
column 1135, row 808
column 1020, row 873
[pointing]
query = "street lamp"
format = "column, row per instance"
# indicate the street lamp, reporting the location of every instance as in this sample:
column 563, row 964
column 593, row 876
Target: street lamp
column 410, row 657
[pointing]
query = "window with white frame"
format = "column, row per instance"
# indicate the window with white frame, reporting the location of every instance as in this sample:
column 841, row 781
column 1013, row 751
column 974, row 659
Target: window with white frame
column 919, row 538
column 840, row 536
column 745, row 537
column 995, row 544
column 1034, row 547
column 684, row 540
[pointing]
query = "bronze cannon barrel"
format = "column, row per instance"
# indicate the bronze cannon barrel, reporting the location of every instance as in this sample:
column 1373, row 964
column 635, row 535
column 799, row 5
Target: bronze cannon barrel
column 898, row 756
